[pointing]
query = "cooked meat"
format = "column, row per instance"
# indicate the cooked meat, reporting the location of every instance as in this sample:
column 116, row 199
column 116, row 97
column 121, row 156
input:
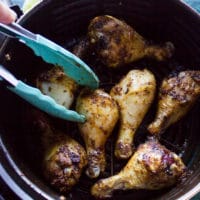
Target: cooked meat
column 116, row 43
column 177, row 94
column 152, row 167
column 134, row 95
column 56, row 84
column 64, row 158
column 101, row 114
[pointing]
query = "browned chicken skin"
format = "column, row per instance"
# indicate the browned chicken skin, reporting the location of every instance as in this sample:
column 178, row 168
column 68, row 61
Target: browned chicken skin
column 101, row 114
column 116, row 43
column 64, row 158
column 134, row 95
column 177, row 94
column 151, row 167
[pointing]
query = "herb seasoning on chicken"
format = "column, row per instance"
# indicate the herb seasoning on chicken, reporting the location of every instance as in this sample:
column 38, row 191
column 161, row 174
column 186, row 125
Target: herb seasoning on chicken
column 134, row 95
column 101, row 114
column 117, row 44
column 151, row 167
column 56, row 84
column 177, row 94
column 64, row 158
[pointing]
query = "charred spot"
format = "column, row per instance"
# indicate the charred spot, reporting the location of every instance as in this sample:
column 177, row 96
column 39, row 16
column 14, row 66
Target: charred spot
column 94, row 155
column 74, row 157
column 102, row 43
column 178, row 96
column 167, row 159
column 98, row 150
column 63, row 160
column 49, row 89
column 63, row 149
column 155, row 146
column 124, row 148
column 99, row 24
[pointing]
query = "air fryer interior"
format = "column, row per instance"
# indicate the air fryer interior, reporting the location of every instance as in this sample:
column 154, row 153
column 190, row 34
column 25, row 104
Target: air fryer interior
column 65, row 22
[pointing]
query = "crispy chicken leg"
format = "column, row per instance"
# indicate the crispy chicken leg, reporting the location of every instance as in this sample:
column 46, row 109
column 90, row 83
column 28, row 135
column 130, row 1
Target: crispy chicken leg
column 101, row 113
column 116, row 43
column 64, row 158
column 134, row 95
column 56, row 84
column 177, row 94
column 151, row 167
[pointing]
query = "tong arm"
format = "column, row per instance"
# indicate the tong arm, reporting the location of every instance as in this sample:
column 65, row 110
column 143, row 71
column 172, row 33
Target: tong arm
column 17, row 31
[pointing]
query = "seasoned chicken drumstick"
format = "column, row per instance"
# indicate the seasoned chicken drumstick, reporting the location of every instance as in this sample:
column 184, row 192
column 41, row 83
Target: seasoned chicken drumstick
column 116, row 43
column 134, row 95
column 64, row 158
column 177, row 94
column 101, row 114
column 152, row 167
column 56, row 84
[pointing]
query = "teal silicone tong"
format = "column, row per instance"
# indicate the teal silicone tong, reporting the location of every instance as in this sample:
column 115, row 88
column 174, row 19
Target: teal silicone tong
column 52, row 53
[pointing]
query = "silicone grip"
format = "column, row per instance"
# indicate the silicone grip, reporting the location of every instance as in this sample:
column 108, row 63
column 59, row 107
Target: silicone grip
column 45, row 103
column 73, row 66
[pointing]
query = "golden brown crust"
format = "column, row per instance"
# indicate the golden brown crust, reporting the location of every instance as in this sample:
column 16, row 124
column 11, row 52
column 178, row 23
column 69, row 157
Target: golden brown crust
column 63, row 158
column 176, row 96
column 151, row 167
column 116, row 43
column 64, row 163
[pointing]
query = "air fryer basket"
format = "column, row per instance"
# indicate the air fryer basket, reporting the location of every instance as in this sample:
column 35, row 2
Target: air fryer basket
column 65, row 22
